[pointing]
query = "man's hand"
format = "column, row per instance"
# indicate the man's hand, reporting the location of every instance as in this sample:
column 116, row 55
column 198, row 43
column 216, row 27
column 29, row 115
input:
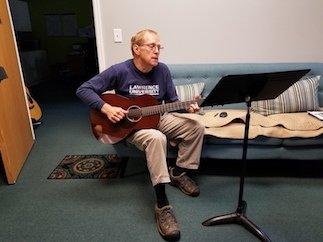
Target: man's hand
column 114, row 114
column 194, row 107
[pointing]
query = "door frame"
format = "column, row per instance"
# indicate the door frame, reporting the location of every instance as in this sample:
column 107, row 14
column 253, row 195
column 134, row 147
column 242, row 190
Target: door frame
column 20, row 68
column 99, row 32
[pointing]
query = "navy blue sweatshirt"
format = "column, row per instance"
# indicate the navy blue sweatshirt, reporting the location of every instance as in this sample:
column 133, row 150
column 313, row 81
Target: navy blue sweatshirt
column 128, row 81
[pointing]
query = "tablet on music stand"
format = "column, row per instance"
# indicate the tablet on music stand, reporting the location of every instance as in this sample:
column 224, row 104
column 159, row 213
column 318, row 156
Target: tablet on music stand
column 247, row 88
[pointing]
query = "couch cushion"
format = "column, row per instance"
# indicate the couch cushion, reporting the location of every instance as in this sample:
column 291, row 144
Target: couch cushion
column 301, row 142
column 258, row 141
column 302, row 96
column 187, row 92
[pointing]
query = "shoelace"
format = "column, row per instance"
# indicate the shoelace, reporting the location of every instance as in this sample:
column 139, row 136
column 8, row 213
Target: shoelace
column 167, row 215
column 184, row 181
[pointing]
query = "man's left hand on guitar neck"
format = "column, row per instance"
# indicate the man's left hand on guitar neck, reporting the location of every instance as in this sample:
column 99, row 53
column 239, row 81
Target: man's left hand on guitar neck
column 194, row 107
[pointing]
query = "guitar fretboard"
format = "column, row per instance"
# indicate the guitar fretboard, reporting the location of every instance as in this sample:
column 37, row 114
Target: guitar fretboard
column 159, row 109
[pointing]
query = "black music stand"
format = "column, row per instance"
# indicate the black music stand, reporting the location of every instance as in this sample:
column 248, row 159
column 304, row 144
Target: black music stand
column 247, row 88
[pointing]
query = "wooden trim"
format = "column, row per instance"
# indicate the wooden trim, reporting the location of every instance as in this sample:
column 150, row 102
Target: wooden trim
column 101, row 52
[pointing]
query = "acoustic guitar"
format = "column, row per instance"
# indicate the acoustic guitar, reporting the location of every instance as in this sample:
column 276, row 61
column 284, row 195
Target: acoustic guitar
column 143, row 113
column 34, row 108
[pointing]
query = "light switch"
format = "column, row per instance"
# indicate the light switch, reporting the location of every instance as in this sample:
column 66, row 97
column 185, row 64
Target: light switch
column 117, row 35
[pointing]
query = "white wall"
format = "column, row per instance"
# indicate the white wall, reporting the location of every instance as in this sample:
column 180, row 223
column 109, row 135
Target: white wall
column 215, row 31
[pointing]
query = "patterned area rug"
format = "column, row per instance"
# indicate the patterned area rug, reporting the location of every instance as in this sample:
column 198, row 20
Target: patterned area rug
column 87, row 167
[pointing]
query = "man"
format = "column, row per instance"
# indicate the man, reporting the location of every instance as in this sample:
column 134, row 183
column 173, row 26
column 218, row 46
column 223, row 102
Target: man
column 145, row 75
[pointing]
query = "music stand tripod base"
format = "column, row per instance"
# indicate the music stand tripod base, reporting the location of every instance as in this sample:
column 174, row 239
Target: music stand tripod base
column 239, row 218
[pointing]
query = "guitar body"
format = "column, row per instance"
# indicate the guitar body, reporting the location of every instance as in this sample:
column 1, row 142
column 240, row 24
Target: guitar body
column 34, row 108
column 115, row 132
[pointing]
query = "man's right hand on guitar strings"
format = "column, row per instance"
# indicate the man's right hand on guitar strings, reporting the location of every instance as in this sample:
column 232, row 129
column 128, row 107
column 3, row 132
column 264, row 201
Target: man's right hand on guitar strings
column 114, row 114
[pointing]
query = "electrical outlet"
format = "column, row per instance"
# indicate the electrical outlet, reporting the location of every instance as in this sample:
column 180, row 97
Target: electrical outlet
column 117, row 35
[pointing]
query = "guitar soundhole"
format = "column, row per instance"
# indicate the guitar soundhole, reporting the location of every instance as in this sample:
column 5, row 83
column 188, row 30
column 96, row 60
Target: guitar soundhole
column 134, row 114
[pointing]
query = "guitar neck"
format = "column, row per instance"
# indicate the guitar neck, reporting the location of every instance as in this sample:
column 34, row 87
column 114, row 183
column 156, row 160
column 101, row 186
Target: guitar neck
column 167, row 107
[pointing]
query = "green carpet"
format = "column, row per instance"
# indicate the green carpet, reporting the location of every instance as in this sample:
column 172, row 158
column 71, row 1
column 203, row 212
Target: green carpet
column 284, row 197
column 87, row 167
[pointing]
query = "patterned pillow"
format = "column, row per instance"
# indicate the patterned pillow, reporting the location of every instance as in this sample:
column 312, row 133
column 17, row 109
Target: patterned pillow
column 300, row 97
column 187, row 92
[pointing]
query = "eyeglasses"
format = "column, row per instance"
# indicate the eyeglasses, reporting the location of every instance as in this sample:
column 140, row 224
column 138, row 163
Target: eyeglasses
column 152, row 47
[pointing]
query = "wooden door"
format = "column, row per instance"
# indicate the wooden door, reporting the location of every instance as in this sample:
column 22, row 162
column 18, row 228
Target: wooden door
column 16, row 132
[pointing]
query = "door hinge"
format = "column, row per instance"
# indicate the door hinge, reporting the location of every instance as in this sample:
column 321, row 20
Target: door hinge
column 3, row 74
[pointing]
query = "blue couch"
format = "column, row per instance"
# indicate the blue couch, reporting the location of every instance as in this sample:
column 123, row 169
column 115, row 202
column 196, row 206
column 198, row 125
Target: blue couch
column 258, row 148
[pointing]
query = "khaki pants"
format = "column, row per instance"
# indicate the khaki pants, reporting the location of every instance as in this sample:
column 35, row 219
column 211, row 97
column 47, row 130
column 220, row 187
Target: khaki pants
column 186, row 133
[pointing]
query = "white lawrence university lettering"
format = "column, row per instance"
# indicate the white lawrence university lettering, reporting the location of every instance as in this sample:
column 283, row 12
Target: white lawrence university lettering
column 146, row 89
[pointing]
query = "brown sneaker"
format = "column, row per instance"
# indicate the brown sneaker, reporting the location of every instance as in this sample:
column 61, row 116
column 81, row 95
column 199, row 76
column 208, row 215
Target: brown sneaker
column 184, row 183
column 166, row 223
